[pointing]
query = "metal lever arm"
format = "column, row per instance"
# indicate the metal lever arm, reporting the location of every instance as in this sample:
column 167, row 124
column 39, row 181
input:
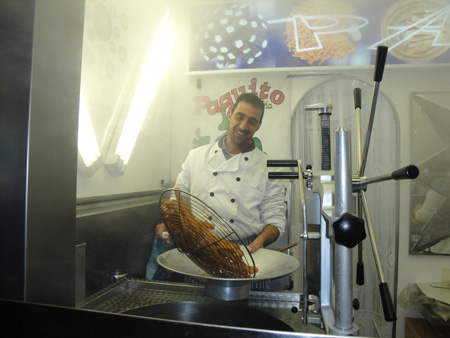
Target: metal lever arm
column 379, row 68
column 357, row 100
column 386, row 299
column 408, row 172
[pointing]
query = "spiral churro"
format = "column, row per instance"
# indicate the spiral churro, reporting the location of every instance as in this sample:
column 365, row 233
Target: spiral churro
column 195, row 237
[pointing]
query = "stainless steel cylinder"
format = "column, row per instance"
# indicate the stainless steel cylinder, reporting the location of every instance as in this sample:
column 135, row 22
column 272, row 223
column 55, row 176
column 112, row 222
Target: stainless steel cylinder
column 343, row 267
column 343, row 172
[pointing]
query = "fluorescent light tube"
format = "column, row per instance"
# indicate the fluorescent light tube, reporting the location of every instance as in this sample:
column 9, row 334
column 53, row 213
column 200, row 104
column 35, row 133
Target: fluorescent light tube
column 148, row 84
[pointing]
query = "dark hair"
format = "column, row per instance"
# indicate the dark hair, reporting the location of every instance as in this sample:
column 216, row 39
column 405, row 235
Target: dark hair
column 251, row 99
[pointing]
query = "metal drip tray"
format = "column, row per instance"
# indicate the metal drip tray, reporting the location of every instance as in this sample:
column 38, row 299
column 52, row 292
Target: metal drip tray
column 143, row 298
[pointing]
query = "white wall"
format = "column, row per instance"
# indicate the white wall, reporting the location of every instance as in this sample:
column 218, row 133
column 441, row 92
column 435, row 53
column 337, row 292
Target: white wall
column 398, row 84
column 118, row 38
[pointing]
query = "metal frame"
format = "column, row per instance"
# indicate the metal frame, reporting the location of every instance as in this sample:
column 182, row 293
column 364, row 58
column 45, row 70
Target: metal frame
column 334, row 205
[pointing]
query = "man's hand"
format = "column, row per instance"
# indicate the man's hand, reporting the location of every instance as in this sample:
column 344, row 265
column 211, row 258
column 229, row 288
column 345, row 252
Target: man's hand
column 266, row 237
column 161, row 233
column 255, row 245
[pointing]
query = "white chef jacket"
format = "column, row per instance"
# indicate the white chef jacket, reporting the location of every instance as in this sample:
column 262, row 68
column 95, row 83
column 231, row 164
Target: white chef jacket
column 238, row 189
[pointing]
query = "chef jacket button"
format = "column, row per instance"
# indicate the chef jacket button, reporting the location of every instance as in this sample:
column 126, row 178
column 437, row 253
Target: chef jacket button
column 238, row 179
column 215, row 151
column 246, row 158
column 215, row 173
column 231, row 220
column 211, row 194
column 233, row 200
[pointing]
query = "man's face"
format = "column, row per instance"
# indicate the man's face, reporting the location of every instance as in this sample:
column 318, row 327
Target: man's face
column 244, row 123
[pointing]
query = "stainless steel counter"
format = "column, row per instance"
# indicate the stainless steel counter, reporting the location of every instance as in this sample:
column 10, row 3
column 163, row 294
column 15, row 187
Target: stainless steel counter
column 132, row 294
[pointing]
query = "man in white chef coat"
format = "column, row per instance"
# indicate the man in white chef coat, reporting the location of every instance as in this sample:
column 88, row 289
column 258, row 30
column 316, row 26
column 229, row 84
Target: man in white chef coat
column 231, row 176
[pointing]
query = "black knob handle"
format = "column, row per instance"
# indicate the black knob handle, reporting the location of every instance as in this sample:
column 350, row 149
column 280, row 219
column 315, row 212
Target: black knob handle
column 349, row 230
column 357, row 97
column 282, row 163
column 380, row 62
column 283, row 175
column 360, row 273
column 388, row 305
column 408, row 172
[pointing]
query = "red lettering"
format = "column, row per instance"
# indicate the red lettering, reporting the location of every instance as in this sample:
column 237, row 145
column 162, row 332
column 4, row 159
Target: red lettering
column 264, row 89
column 277, row 97
column 253, row 86
column 213, row 107
column 226, row 101
column 235, row 93
column 201, row 102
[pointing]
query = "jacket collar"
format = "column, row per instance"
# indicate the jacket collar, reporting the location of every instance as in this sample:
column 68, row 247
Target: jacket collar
column 221, row 144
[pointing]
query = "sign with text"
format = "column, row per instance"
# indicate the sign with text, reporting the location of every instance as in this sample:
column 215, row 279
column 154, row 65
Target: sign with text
column 288, row 33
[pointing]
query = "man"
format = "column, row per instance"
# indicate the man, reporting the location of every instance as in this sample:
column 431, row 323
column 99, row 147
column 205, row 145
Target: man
column 231, row 176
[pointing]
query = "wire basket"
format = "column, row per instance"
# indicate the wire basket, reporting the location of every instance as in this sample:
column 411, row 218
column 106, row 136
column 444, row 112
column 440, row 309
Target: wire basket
column 204, row 236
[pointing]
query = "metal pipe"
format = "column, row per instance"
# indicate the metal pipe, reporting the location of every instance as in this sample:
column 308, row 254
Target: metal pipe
column 378, row 179
column 343, row 272
column 304, row 236
column 386, row 299
column 369, row 128
column 342, row 172
column 379, row 69
column 357, row 100
column 408, row 172
column 373, row 241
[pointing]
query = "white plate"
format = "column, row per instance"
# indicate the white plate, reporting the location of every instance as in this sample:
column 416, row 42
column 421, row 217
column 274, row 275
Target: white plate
column 270, row 263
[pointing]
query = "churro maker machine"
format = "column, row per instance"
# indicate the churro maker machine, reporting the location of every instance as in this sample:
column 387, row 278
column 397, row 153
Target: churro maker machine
column 327, row 199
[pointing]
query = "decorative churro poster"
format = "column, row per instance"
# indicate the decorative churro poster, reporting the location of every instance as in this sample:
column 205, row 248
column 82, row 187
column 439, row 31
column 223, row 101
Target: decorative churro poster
column 295, row 33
